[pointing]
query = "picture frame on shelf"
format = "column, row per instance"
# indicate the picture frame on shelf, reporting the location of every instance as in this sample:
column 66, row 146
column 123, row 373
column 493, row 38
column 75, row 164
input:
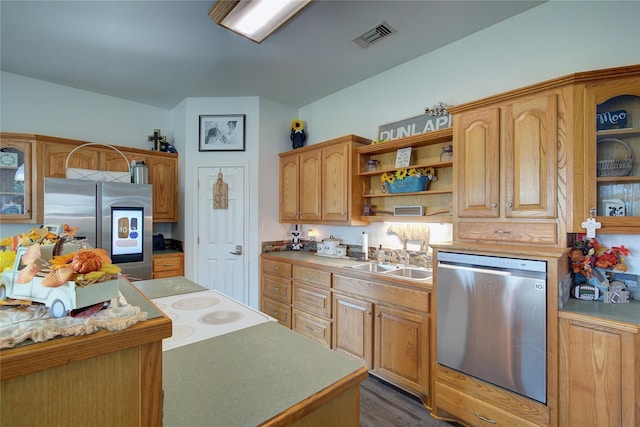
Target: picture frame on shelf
column 223, row 132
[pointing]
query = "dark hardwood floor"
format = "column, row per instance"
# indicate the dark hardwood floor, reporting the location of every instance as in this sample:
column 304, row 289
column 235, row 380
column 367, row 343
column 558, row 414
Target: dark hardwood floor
column 383, row 405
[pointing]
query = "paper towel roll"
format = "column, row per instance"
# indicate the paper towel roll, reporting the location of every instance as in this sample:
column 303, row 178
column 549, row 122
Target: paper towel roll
column 365, row 245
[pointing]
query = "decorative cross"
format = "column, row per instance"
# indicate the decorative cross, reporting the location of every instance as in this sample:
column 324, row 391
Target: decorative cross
column 591, row 225
column 156, row 138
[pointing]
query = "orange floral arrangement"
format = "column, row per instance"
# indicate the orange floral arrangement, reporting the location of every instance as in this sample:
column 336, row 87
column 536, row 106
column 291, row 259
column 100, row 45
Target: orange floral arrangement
column 589, row 254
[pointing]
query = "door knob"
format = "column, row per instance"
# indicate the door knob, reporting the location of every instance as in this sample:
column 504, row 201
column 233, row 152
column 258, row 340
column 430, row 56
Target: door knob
column 238, row 250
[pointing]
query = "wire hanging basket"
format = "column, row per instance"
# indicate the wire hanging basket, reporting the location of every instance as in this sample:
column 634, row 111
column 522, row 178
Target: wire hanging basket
column 622, row 162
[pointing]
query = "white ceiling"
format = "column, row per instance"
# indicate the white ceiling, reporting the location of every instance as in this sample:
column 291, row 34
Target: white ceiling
column 160, row 52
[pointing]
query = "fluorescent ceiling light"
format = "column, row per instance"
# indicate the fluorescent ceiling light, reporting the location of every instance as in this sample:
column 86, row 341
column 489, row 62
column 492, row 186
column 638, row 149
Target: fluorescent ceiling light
column 255, row 19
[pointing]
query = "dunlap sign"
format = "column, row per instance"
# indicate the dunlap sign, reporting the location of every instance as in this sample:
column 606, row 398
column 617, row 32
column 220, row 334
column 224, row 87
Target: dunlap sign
column 413, row 126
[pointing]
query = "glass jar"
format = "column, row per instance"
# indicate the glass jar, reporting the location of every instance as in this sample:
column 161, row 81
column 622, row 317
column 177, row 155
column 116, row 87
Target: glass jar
column 373, row 165
column 447, row 153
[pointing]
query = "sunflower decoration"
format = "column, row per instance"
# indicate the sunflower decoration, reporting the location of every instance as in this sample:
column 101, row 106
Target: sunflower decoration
column 402, row 173
column 298, row 135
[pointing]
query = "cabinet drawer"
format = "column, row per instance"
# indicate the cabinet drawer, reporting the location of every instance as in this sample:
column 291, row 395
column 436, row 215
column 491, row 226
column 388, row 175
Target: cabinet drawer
column 525, row 232
column 311, row 299
column 462, row 395
column 314, row 277
column 167, row 262
column 276, row 268
column 277, row 310
column 168, row 265
column 312, row 327
column 475, row 412
column 276, row 288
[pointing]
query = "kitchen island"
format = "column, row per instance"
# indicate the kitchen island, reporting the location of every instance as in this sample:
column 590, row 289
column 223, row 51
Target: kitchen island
column 101, row 379
column 263, row 374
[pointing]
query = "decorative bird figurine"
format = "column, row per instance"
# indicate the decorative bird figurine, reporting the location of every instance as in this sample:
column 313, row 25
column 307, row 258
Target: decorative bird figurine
column 298, row 136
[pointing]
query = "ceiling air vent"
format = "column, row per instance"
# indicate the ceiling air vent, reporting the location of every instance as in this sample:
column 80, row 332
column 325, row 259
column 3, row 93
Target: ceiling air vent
column 374, row 34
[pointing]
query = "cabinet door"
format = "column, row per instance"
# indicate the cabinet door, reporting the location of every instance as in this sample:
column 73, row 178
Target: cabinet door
column 353, row 329
column 594, row 368
column 16, row 185
column 54, row 157
column 163, row 174
column 609, row 144
column 530, row 140
column 289, row 202
column 477, row 159
column 310, row 186
column 335, row 183
column 401, row 347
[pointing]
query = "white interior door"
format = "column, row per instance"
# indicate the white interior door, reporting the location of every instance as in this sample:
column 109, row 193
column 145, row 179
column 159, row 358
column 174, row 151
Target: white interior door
column 221, row 241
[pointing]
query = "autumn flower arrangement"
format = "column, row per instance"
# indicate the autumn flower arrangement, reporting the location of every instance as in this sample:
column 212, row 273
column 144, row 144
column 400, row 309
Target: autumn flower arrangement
column 84, row 267
column 588, row 254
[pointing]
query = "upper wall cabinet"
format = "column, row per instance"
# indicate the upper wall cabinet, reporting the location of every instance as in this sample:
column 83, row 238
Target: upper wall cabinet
column 506, row 159
column 49, row 157
column 317, row 183
column 612, row 143
column 16, row 179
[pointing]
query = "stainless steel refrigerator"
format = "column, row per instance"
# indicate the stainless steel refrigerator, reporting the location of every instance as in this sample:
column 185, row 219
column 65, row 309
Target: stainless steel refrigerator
column 114, row 216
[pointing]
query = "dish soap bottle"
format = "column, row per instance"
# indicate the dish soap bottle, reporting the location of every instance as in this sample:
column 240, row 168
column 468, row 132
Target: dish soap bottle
column 380, row 254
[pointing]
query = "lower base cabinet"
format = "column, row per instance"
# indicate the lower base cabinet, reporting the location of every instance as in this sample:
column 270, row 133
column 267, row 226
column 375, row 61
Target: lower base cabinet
column 599, row 374
column 477, row 403
column 168, row 265
column 393, row 342
column 383, row 326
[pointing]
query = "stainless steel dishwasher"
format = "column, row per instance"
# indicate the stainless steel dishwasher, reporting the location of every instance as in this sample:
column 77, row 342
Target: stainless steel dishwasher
column 492, row 320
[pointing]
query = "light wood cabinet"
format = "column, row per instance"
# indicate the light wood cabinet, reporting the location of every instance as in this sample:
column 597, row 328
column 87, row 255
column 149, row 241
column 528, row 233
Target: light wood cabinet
column 477, row 403
column 312, row 305
column 163, row 174
column 426, row 148
column 300, row 179
column 17, row 187
column 507, row 162
column 48, row 159
column 317, row 183
column 275, row 287
column 168, row 265
column 612, row 147
column 386, row 328
column 599, row 372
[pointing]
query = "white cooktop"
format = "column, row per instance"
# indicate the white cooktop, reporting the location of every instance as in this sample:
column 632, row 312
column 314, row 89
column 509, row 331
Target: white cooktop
column 206, row 314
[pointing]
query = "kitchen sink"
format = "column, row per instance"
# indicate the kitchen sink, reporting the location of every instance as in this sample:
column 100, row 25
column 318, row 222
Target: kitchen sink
column 414, row 273
column 411, row 273
column 373, row 267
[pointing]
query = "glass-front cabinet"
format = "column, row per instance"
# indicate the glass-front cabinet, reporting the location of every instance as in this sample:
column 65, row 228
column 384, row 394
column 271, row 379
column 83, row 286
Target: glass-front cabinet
column 612, row 132
column 15, row 180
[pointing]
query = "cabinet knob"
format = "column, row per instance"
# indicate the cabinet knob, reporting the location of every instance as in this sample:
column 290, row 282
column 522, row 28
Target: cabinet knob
column 368, row 313
column 378, row 315
column 509, row 205
column 502, row 231
column 493, row 205
column 276, row 268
